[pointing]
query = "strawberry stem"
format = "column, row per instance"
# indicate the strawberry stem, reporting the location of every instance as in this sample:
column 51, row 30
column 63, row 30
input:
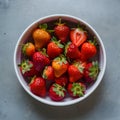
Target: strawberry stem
column 59, row 22
column 43, row 51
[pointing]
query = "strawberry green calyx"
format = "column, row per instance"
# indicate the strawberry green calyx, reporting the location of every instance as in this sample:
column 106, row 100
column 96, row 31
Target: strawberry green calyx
column 79, row 65
column 43, row 26
column 44, row 76
column 94, row 41
column 59, row 90
column 32, row 79
column 61, row 59
column 94, row 70
column 57, row 42
column 24, row 46
column 66, row 47
column 44, row 73
column 26, row 66
column 78, row 89
column 43, row 51
column 80, row 28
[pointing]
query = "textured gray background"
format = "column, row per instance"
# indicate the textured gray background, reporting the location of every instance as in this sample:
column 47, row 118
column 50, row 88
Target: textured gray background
column 103, row 15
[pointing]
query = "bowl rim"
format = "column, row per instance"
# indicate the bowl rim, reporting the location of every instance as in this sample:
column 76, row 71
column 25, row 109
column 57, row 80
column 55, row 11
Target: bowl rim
column 64, row 103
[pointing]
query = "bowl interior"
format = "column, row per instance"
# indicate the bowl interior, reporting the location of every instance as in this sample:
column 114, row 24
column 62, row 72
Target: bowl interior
column 27, row 35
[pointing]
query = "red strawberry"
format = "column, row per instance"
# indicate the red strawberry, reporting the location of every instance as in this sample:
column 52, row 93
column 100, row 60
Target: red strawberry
column 62, row 31
column 91, row 72
column 78, row 36
column 88, row 49
column 76, row 90
column 27, row 68
column 40, row 60
column 38, row 87
column 82, row 57
column 72, row 51
column 63, row 80
column 54, row 48
column 48, row 73
column 76, row 70
column 57, row 92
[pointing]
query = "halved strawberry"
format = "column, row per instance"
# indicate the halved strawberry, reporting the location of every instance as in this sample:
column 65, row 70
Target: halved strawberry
column 78, row 36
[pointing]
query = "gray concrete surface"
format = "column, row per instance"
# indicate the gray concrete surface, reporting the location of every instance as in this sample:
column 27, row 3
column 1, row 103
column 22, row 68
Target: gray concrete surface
column 16, row 15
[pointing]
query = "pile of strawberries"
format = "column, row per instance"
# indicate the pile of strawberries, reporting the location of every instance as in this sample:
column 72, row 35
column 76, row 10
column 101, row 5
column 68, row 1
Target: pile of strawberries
column 59, row 63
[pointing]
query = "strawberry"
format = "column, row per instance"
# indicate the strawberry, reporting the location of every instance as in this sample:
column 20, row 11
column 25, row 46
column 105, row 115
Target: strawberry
column 38, row 86
column 82, row 57
column 88, row 49
column 60, row 65
column 54, row 48
column 48, row 73
column 72, row 51
column 62, row 31
column 41, row 36
column 27, row 68
column 62, row 80
column 28, row 49
column 57, row 92
column 76, row 90
column 40, row 60
column 91, row 71
column 76, row 70
column 78, row 36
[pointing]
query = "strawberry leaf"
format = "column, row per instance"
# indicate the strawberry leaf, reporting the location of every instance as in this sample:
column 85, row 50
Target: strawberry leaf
column 59, row 90
column 43, row 26
column 94, row 70
column 77, row 89
column 26, row 66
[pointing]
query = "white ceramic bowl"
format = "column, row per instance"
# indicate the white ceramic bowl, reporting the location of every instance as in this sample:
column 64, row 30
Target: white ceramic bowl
column 28, row 32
